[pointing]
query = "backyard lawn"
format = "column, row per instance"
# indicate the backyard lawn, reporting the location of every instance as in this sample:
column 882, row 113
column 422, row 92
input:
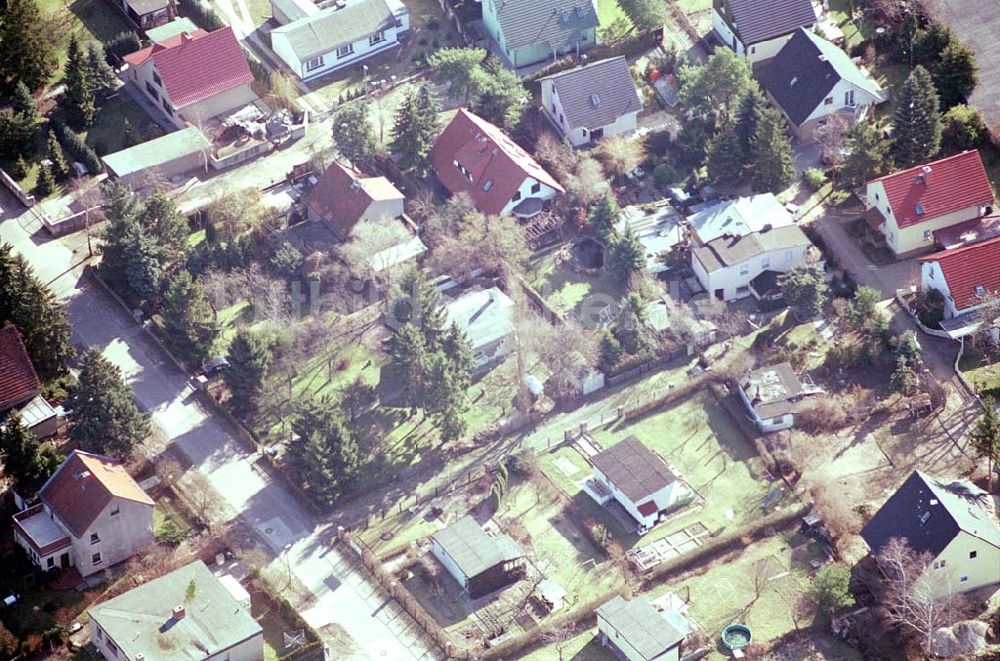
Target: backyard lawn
column 609, row 11
column 980, row 372
column 699, row 439
column 572, row 292
column 87, row 19
column 106, row 136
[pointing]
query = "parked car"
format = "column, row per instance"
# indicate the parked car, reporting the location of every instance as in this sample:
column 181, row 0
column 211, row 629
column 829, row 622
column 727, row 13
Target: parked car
column 214, row 366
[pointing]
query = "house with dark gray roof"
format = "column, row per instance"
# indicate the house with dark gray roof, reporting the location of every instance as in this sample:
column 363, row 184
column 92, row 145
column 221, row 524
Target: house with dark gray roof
column 954, row 522
column 639, row 632
column 317, row 38
column 813, row 80
column 727, row 265
column 527, row 32
column 481, row 563
column 773, row 395
column 590, row 102
column 757, row 29
column 631, row 475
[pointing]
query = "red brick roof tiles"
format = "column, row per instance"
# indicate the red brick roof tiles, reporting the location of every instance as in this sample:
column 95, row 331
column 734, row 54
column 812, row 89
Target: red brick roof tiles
column 968, row 267
column 136, row 58
column 488, row 155
column 954, row 183
column 342, row 196
column 84, row 485
column 18, row 380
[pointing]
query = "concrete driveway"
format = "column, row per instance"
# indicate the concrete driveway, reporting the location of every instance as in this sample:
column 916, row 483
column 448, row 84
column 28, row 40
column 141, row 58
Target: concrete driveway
column 341, row 596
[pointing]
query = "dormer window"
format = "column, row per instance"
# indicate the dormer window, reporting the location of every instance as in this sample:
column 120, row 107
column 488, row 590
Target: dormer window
column 115, row 511
column 488, row 185
column 924, row 517
column 920, row 209
column 980, row 291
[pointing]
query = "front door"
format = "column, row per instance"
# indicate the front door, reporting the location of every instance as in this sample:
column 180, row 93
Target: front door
column 64, row 561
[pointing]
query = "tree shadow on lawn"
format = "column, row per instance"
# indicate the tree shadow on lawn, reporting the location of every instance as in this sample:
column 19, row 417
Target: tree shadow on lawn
column 572, row 533
column 593, row 651
column 102, row 21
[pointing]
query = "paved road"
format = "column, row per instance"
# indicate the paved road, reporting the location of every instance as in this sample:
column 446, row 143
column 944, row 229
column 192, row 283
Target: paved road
column 341, row 596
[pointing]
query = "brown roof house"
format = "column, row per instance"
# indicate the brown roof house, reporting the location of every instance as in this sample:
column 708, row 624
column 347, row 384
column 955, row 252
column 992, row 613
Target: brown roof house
column 773, row 395
column 92, row 515
column 20, row 387
column 631, row 475
column 481, row 563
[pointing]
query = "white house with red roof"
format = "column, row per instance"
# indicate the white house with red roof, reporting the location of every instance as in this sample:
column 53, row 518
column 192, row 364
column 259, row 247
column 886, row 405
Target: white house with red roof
column 20, row 387
column 194, row 76
column 966, row 276
column 909, row 206
column 92, row 515
column 343, row 197
column 475, row 157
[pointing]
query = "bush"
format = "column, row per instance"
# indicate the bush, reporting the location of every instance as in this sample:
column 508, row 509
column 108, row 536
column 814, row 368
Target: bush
column 963, row 129
column 169, row 533
column 74, row 144
column 664, row 174
column 120, row 46
column 286, row 260
column 826, row 414
column 929, row 306
column 815, row 178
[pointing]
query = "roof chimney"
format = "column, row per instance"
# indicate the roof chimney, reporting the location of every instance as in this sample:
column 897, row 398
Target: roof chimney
column 186, row 37
column 926, row 171
column 178, row 613
column 140, row 657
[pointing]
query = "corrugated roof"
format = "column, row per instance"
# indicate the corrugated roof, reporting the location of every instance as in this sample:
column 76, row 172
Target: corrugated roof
column 141, row 620
column 597, row 94
column 558, row 23
column 343, row 195
column 472, row 549
column 331, row 28
column 83, row 486
column 972, row 272
column 953, row 183
column 496, row 164
column 645, row 629
column 153, row 153
column 759, row 20
column 18, row 380
column 805, row 71
column 637, row 471
column 199, row 68
column 929, row 513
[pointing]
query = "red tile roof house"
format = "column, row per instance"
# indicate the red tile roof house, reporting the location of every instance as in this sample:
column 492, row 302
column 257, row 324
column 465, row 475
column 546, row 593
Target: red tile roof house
column 193, row 76
column 343, row 198
column 475, row 157
column 966, row 276
column 92, row 515
column 911, row 205
column 20, row 387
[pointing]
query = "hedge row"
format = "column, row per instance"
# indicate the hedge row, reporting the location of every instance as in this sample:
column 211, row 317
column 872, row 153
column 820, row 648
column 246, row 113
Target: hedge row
column 203, row 15
column 74, row 144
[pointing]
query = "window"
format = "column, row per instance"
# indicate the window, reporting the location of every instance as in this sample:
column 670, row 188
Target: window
column 973, row 555
column 744, row 269
column 963, row 579
column 95, row 559
column 314, row 63
column 517, row 196
column 849, row 98
column 344, row 51
column 94, row 538
column 377, row 38
column 115, row 511
column 156, row 79
column 828, row 101
column 169, row 108
column 554, row 111
column 940, row 564
column 765, row 262
column 112, row 648
column 876, row 197
column 928, row 235
column 100, row 633
column 753, row 49
column 536, row 187
column 152, row 91
column 51, row 563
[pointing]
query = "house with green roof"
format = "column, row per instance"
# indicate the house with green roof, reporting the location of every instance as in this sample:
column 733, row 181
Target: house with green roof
column 528, row 32
column 186, row 614
column 812, row 80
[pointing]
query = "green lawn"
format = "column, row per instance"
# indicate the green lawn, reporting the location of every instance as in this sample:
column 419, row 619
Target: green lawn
column 585, row 646
column 699, row 439
column 609, row 11
column 106, row 135
column 982, row 374
column 572, row 292
column 87, row 19
column 854, row 32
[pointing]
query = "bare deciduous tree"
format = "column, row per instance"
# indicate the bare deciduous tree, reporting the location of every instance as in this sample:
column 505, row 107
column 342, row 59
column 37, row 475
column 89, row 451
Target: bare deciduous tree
column 831, row 136
column 374, row 247
column 568, row 351
column 236, row 213
column 917, row 596
column 558, row 635
column 619, row 155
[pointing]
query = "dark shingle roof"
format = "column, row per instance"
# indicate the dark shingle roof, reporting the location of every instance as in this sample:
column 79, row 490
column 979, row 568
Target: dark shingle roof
column 730, row 250
column 805, row 71
column 759, row 20
column 557, row 23
column 472, row 549
column 929, row 513
column 597, row 94
column 635, row 469
column 332, row 28
column 644, row 628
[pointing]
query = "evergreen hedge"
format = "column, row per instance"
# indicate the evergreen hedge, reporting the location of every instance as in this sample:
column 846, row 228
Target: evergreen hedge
column 74, row 144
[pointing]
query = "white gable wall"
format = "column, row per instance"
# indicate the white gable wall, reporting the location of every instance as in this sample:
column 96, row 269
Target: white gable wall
column 545, row 192
column 961, row 572
column 734, row 281
column 931, row 277
column 758, row 52
column 579, row 136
